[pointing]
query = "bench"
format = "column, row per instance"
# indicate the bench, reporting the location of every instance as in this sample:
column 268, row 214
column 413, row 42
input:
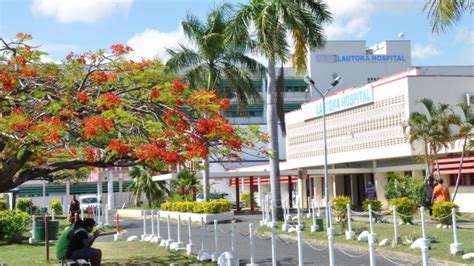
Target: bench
column 75, row 262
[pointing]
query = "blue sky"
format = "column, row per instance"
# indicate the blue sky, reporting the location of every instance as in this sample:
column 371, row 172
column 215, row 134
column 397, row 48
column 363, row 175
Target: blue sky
column 149, row 26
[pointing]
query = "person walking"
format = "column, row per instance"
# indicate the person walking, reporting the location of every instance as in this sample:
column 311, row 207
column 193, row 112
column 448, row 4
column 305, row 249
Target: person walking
column 370, row 192
column 74, row 208
column 440, row 193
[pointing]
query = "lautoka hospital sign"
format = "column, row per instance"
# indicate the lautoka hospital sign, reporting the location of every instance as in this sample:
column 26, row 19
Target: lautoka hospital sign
column 342, row 101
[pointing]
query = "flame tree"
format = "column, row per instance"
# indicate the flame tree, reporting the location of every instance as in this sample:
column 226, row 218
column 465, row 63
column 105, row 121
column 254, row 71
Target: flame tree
column 99, row 109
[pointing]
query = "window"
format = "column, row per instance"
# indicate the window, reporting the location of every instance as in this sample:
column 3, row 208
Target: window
column 465, row 180
column 372, row 79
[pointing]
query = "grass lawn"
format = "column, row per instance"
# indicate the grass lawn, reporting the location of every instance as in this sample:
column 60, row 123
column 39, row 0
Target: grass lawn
column 114, row 253
column 439, row 249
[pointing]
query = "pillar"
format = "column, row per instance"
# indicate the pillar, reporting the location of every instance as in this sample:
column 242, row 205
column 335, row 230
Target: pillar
column 290, row 191
column 68, row 193
column 44, row 194
column 10, row 201
column 237, row 194
column 99, row 186
column 110, row 190
column 120, row 182
column 252, row 199
column 301, row 186
column 380, row 182
column 417, row 173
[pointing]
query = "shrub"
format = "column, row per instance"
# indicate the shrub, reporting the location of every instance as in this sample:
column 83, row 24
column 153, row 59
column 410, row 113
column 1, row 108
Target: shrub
column 215, row 206
column 376, row 207
column 405, row 208
column 400, row 186
column 3, row 205
column 442, row 211
column 24, row 204
column 339, row 204
column 56, row 205
column 13, row 224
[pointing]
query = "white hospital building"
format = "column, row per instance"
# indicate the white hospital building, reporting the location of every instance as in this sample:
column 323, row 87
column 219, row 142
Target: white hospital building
column 365, row 117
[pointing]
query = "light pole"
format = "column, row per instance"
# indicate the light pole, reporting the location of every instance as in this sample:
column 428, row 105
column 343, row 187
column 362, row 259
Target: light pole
column 330, row 230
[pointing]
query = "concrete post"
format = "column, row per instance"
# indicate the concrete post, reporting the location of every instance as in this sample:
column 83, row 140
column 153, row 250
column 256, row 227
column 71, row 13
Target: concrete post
column 314, row 227
column 372, row 238
column 424, row 244
column 144, row 225
column 180, row 244
column 396, row 239
column 152, row 218
column 110, row 190
column 10, row 201
column 158, row 226
column 216, row 253
column 169, row 240
column 190, row 245
column 300, row 248
column 106, row 214
column 44, row 194
column 232, row 237
column 455, row 248
column 298, row 209
column 284, row 227
column 252, row 248
column 349, row 233
column 274, row 259
column 202, row 234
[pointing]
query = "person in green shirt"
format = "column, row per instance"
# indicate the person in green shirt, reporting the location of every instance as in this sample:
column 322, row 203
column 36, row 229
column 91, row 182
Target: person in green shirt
column 63, row 242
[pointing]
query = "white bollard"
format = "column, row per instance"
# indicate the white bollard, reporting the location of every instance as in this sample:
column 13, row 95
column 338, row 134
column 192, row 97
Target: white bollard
column 252, row 259
column 308, row 207
column 180, row 244
column 396, row 239
column 158, row 222
column 455, row 248
column 232, row 237
column 107, row 215
column 424, row 244
column 372, row 238
column 349, row 233
column 319, row 208
column 262, row 208
column 190, row 245
column 274, row 259
column 202, row 234
column 284, row 227
column 314, row 227
column 300, row 248
column 169, row 240
column 144, row 225
column 298, row 213
column 216, row 253
column 152, row 218
column 31, row 240
column 330, row 233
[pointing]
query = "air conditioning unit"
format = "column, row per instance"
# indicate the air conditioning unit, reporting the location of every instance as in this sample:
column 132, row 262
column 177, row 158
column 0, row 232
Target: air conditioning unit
column 470, row 99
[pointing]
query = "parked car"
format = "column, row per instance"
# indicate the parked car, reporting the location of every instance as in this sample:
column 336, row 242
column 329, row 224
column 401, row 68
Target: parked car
column 89, row 201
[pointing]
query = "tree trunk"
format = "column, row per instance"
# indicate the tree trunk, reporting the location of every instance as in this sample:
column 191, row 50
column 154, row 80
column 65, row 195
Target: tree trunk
column 436, row 162
column 205, row 179
column 427, row 162
column 460, row 168
column 272, row 125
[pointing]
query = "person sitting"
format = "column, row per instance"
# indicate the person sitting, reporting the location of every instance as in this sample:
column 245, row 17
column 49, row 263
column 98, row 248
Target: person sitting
column 440, row 193
column 63, row 242
column 370, row 192
column 80, row 246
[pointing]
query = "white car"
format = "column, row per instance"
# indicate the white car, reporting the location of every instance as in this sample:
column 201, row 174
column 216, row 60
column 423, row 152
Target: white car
column 89, row 201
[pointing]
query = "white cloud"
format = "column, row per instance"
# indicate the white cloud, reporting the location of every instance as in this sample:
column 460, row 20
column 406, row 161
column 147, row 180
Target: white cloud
column 465, row 36
column 47, row 59
column 152, row 43
column 86, row 11
column 421, row 51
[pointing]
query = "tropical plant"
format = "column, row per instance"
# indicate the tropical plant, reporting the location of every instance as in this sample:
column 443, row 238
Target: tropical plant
column 13, row 223
column 405, row 207
column 272, row 22
column 185, row 182
column 213, row 61
column 399, row 186
column 56, row 205
column 339, row 204
column 24, row 204
column 444, row 14
column 3, row 205
column 466, row 126
column 432, row 128
column 143, row 184
column 375, row 205
column 442, row 212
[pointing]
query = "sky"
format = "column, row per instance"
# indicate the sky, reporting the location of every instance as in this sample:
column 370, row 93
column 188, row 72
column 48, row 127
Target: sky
column 150, row 26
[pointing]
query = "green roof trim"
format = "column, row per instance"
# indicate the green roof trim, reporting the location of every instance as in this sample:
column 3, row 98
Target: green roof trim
column 82, row 188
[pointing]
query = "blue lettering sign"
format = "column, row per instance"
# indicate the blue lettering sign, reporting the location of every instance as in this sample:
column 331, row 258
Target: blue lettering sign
column 370, row 58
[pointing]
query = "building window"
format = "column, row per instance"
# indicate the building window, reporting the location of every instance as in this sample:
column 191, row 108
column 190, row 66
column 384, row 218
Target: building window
column 464, row 181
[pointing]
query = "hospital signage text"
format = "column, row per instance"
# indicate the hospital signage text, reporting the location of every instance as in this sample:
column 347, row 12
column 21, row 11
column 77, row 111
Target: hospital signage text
column 370, row 58
column 339, row 102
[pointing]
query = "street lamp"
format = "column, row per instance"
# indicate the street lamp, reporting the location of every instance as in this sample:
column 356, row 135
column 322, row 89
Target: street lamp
column 330, row 230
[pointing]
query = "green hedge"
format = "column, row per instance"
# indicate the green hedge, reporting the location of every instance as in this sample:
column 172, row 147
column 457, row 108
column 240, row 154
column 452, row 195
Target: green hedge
column 376, row 207
column 24, row 204
column 406, row 208
column 442, row 211
column 3, row 205
column 56, row 205
column 215, row 206
column 339, row 204
column 13, row 224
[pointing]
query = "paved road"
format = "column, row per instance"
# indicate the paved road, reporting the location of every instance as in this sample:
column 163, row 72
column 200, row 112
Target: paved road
column 287, row 254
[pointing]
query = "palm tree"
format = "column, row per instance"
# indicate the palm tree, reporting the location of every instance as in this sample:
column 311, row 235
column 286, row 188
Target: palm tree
column 213, row 61
column 272, row 22
column 444, row 14
column 432, row 128
column 143, row 183
column 185, row 182
column 465, row 131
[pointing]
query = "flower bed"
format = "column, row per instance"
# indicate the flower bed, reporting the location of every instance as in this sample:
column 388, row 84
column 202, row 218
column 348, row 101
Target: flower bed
column 211, row 207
